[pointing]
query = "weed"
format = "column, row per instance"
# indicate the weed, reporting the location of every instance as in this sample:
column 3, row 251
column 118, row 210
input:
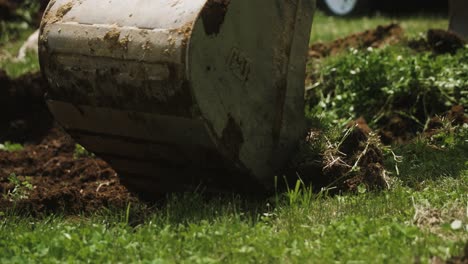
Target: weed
column 301, row 195
column 20, row 190
column 11, row 147
column 81, row 152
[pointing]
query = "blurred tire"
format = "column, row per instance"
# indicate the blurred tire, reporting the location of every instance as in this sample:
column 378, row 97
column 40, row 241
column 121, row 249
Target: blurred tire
column 345, row 7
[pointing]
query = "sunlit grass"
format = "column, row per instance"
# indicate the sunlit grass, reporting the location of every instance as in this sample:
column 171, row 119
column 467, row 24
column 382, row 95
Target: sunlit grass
column 389, row 227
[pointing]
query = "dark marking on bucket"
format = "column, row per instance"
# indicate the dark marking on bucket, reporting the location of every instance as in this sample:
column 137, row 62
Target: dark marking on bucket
column 213, row 15
column 232, row 138
column 239, row 64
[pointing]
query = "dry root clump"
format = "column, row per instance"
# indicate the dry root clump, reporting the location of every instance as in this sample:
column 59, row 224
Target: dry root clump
column 356, row 161
column 344, row 165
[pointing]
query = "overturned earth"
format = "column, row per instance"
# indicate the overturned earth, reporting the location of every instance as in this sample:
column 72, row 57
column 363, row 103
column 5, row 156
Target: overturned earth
column 51, row 175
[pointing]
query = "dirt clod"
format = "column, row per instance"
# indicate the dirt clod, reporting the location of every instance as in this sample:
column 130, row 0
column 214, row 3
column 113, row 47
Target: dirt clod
column 357, row 161
column 457, row 115
column 115, row 41
column 439, row 42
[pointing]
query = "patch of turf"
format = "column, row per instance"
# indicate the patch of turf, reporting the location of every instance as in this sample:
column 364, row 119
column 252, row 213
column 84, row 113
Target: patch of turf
column 377, row 84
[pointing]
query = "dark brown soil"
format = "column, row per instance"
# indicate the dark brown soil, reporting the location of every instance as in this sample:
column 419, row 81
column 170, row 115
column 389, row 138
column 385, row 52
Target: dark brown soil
column 61, row 182
column 398, row 129
column 439, row 42
column 376, row 38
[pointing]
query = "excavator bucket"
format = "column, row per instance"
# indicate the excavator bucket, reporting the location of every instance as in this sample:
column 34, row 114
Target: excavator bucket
column 175, row 94
column 459, row 17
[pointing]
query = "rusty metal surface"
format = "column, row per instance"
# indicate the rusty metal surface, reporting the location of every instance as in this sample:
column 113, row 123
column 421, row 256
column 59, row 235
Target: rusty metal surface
column 459, row 17
column 178, row 92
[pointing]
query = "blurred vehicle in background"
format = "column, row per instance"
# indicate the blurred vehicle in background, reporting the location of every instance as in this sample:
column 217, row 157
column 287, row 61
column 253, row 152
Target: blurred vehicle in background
column 358, row 7
column 344, row 7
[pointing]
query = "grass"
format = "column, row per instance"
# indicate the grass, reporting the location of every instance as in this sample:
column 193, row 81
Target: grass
column 392, row 80
column 417, row 219
column 397, row 226
column 81, row 152
column 411, row 221
column 12, row 36
column 8, row 52
column 15, row 68
column 443, row 155
column 11, row 147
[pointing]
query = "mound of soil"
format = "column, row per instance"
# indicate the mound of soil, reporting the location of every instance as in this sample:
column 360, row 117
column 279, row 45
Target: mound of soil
column 60, row 182
column 376, row 38
column 439, row 42
column 397, row 129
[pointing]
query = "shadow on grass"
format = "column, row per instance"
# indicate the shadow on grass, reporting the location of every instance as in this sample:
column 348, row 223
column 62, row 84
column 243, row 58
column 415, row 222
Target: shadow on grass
column 422, row 161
